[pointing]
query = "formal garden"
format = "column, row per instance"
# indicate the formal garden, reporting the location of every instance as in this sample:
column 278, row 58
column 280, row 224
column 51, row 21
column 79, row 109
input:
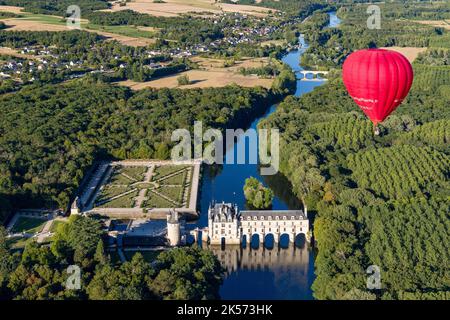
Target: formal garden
column 146, row 186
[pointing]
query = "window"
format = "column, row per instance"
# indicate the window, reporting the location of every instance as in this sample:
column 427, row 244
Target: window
column 284, row 217
column 262, row 217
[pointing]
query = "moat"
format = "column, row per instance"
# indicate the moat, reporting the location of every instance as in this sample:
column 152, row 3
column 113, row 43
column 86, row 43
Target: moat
column 262, row 271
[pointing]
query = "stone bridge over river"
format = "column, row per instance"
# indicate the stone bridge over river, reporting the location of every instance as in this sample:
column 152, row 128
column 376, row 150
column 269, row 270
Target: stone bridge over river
column 316, row 75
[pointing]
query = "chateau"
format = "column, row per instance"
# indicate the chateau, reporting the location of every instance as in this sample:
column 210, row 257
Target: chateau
column 226, row 224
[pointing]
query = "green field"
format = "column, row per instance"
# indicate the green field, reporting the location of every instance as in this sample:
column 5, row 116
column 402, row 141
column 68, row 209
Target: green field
column 28, row 225
column 42, row 18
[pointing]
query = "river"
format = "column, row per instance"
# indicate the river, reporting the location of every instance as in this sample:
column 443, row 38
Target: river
column 262, row 272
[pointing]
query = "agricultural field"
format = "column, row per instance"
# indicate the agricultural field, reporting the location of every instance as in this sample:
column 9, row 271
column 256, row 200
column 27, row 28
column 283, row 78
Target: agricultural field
column 152, row 186
column 401, row 171
column 127, row 35
column 211, row 73
column 411, row 53
column 14, row 53
column 436, row 23
column 173, row 8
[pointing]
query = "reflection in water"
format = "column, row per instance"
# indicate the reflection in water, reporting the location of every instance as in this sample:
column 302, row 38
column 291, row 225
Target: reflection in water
column 282, row 187
column 278, row 273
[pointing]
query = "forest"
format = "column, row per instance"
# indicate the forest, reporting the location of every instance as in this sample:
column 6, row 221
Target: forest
column 41, row 272
column 56, row 7
column 329, row 46
column 50, row 135
column 375, row 200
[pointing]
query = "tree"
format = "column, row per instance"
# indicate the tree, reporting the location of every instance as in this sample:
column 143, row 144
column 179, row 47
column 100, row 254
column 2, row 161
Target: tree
column 187, row 273
column 162, row 151
column 183, row 80
column 256, row 194
column 78, row 240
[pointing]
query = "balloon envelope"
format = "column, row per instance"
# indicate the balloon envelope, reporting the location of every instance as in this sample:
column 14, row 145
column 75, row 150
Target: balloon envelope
column 377, row 80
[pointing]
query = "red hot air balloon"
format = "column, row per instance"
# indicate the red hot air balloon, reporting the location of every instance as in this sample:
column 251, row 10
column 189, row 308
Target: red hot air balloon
column 377, row 80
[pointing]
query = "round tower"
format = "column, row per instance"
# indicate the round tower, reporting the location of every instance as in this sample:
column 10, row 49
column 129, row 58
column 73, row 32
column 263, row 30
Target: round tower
column 173, row 229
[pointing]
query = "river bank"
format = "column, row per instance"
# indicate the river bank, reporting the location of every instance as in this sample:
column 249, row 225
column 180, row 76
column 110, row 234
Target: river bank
column 290, row 276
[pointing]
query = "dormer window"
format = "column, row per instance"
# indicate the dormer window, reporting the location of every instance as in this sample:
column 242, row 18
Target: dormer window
column 262, row 217
column 284, row 217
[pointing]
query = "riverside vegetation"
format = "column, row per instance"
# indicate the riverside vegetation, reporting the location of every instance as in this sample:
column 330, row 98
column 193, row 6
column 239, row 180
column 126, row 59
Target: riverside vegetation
column 383, row 200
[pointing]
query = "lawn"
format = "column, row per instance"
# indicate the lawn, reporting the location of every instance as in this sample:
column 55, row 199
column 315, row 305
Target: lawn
column 126, row 201
column 28, row 225
column 174, row 193
column 18, row 242
column 110, row 191
column 135, row 172
column 118, row 178
column 176, row 179
column 156, row 201
column 56, row 224
column 144, row 185
column 162, row 171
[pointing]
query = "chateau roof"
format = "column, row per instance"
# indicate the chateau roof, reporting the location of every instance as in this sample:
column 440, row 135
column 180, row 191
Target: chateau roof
column 223, row 210
column 273, row 213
